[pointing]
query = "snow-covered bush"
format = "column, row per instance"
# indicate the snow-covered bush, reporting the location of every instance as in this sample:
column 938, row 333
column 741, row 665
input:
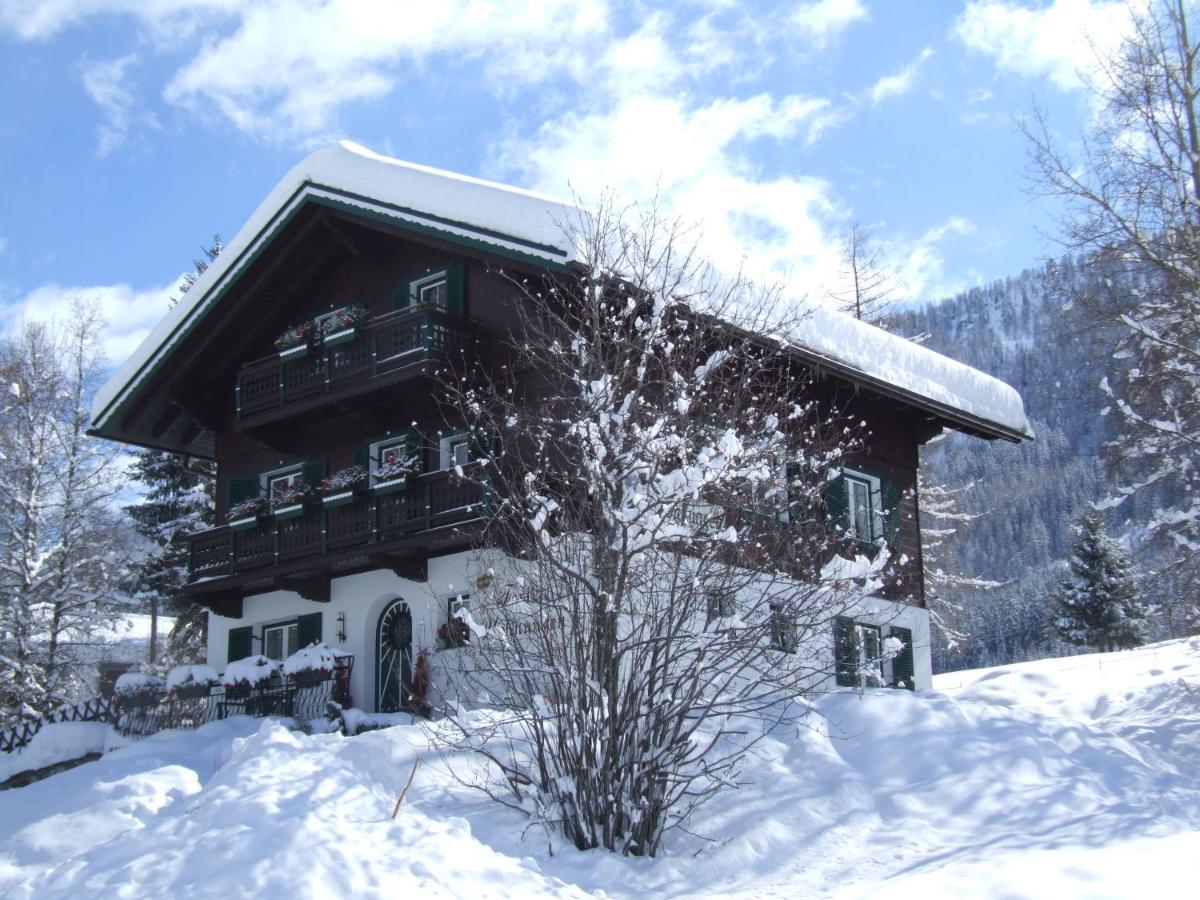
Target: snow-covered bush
column 192, row 680
column 138, row 689
column 673, row 452
column 242, row 675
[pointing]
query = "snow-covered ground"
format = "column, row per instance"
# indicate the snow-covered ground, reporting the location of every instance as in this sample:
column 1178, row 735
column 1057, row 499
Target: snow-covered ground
column 1077, row 777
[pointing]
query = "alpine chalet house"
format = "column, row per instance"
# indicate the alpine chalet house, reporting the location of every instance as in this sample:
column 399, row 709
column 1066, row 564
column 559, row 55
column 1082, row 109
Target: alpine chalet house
column 304, row 356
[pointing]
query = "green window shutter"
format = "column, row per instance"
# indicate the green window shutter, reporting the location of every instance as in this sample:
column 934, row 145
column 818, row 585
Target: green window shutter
column 891, row 512
column 242, row 487
column 845, row 652
column 402, row 296
column 414, row 445
column 455, row 291
column 308, row 629
column 313, row 472
column 837, row 508
column 240, row 643
column 483, row 444
column 902, row 662
column 361, row 456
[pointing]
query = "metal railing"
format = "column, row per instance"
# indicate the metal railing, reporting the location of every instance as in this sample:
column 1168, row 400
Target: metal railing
column 147, row 715
column 382, row 345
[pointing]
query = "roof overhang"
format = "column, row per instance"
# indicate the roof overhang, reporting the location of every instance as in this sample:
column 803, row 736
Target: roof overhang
column 126, row 384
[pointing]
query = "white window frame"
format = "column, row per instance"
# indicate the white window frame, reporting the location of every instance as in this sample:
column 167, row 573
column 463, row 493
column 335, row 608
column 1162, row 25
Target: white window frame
column 375, row 454
column 784, row 636
column 869, row 664
column 853, row 478
column 448, row 446
column 289, row 638
column 456, row 606
column 266, row 480
column 417, row 289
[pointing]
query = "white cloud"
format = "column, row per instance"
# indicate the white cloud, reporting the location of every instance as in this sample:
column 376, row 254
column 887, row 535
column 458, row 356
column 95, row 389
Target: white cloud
column 899, row 83
column 1060, row 41
column 287, row 67
column 105, row 83
column 43, row 19
column 920, row 263
column 129, row 313
column 824, row 20
column 695, row 158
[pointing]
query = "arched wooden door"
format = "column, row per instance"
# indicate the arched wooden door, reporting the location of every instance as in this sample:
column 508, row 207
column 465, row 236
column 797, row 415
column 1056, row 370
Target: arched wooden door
column 393, row 655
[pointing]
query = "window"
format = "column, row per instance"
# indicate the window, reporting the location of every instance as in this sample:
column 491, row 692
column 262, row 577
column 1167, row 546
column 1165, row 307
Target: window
column 721, row 605
column 283, row 485
column 455, row 450
column 392, row 459
column 864, row 519
column 433, row 290
column 456, row 632
column 327, row 322
column 281, row 641
column 783, row 630
column 870, row 655
column 859, row 653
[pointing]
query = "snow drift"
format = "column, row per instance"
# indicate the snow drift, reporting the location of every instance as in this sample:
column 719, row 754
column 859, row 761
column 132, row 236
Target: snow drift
column 1063, row 777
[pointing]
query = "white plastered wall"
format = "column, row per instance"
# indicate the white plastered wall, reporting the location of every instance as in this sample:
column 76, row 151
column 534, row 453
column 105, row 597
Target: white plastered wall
column 362, row 599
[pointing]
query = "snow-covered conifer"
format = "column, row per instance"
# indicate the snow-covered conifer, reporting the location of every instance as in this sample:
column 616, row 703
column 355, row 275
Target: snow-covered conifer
column 1099, row 603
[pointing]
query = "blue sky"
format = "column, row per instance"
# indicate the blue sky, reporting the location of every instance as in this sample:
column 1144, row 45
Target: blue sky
column 133, row 130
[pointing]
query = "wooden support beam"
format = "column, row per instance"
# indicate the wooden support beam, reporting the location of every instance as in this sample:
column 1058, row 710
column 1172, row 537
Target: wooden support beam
column 315, row 588
column 228, row 605
column 412, row 568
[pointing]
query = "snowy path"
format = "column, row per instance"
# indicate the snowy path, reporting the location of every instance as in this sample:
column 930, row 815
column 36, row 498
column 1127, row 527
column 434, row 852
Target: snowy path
column 1077, row 777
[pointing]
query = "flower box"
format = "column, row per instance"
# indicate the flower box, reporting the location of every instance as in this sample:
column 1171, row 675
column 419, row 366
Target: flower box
column 297, row 352
column 291, row 511
column 343, row 487
column 247, row 514
column 310, row 676
column 239, row 691
column 341, row 498
column 392, row 485
column 191, row 692
column 341, row 337
column 295, row 339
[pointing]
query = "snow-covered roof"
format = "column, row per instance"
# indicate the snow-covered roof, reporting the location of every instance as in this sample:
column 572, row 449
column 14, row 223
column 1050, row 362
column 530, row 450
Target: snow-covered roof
column 534, row 226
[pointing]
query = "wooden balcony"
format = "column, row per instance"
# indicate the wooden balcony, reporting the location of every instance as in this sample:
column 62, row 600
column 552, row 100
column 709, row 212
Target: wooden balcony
column 372, row 531
column 387, row 349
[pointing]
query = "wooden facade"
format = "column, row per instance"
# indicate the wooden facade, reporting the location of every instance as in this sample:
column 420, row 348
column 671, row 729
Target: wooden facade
column 228, row 394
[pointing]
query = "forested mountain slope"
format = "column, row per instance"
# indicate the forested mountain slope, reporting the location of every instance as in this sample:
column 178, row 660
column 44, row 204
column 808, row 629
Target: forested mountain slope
column 1031, row 331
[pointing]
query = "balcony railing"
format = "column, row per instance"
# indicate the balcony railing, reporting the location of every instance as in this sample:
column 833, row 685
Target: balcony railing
column 433, row 501
column 384, row 345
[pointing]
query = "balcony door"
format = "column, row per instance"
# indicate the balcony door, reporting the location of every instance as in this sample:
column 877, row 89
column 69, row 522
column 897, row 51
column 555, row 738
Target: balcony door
column 393, row 654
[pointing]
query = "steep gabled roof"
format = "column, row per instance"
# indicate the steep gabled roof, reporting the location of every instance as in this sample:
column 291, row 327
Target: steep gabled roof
column 533, row 227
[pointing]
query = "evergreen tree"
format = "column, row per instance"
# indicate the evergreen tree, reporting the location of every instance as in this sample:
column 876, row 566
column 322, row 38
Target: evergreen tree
column 1099, row 603
column 178, row 501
